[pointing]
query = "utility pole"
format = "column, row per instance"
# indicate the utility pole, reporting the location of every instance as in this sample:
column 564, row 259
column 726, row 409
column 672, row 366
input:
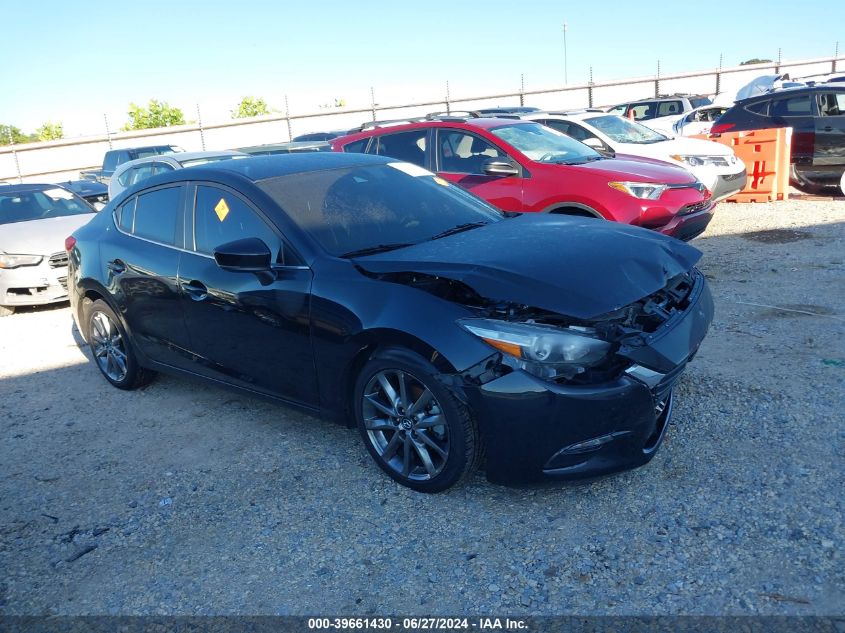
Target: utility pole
column 565, row 61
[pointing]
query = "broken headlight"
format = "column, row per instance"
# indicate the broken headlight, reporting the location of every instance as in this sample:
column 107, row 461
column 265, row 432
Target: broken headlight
column 542, row 350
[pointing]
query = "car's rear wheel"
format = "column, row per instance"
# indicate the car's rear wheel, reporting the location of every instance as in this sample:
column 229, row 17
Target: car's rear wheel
column 111, row 348
column 415, row 429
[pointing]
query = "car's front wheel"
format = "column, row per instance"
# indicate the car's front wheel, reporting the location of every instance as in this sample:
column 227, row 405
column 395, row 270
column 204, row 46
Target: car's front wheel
column 415, row 429
column 111, row 348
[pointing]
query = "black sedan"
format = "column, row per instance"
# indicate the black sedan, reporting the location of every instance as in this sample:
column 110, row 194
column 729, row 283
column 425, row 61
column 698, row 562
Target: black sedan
column 377, row 293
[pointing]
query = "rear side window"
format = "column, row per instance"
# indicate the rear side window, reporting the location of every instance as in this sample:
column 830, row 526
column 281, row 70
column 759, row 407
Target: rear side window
column 114, row 158
column 668, row 108
column 126, row 215
column 761, row 108
column 406, row 146
column 644, row 110
column 220, row 217
column 793, row 106
column 156, row 213
column 357, row 147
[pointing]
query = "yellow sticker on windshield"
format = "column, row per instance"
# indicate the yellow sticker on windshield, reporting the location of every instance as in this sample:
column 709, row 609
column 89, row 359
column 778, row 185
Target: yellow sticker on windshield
column 222, row 209
column 440, row 181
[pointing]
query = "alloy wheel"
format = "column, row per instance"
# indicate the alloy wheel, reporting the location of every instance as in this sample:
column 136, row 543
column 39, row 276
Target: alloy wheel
column 405, row 424
column 108, row 346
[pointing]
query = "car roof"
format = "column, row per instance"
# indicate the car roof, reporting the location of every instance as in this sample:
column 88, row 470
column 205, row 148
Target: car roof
column 826, row 87
column 10, row 188
column 257, row 168
column 386, row 127
column 577, row 115
column 135, row 148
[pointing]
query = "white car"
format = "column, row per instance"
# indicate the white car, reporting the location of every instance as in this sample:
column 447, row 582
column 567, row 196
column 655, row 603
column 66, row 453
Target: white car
column 698, row 121
column 712, row 163
column 134, row 171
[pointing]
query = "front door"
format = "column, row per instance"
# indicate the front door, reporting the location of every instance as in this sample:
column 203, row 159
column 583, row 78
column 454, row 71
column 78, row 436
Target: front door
column 246, row 331
column 830, row 129
column 460, row 158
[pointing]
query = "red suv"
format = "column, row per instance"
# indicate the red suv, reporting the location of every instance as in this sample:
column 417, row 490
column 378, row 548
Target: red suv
column 524, row 166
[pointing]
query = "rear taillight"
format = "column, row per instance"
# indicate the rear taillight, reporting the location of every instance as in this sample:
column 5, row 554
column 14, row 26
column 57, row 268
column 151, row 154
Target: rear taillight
column 70, row 242
column 721, row 128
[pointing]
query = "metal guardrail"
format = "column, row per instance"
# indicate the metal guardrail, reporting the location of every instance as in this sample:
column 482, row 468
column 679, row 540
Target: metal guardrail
column 372, row 109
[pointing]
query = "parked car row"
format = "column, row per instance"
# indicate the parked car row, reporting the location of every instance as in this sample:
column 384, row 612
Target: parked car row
column 524, row 166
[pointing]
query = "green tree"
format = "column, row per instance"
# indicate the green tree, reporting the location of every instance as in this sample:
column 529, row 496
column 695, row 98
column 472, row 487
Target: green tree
column 250, row 106
column 7, row 131
column 50, row 131
column 156, row 114
column 755, row 60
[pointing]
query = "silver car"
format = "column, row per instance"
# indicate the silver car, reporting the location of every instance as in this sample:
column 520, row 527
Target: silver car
column 140, row 169
column 34, row 222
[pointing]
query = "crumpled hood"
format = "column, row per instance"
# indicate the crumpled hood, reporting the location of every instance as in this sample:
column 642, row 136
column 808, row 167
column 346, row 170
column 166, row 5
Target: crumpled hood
column 576, row 267
column 40, row 237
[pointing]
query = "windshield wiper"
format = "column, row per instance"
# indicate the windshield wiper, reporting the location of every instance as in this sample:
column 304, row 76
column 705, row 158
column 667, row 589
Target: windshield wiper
column 581, row 160
column 458, row 229
column 372, row 250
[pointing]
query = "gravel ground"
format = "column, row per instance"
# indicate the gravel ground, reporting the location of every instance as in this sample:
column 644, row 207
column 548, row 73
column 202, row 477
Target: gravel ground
column 186, row 499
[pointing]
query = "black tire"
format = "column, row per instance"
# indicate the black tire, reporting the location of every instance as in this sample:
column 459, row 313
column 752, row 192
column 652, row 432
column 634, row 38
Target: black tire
column 414, row 432
column 112, row 350
column 6, row 310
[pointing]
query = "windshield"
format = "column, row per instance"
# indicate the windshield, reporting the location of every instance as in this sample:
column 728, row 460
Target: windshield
column 375, row 206
column 544, row 144
column 625, row 131
column 35, row 204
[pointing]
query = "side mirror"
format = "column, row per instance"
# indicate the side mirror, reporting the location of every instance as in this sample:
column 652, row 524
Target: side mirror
column 599, row 146
column 499, row 167
column 250, row 255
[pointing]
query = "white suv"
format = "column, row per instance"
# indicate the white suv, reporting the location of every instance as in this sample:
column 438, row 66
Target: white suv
column 712, row 163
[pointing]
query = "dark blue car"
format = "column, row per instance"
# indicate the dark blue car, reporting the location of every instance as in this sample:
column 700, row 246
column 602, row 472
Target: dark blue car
column 374, row 292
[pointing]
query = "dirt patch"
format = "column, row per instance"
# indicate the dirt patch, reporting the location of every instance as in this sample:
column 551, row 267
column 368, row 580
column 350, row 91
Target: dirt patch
column 777, row 236
column 800, row 309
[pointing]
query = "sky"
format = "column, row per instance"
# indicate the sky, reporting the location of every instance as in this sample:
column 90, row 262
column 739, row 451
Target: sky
column 74, row 62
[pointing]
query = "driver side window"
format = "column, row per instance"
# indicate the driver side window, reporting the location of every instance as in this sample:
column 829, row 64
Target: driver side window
column 220, row 216
column 459, row 152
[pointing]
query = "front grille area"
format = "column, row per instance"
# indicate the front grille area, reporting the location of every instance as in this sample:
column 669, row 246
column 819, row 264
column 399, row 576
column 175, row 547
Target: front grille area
column 694, row 208
column 648, row 314
column 62, row 282
column 58, row 260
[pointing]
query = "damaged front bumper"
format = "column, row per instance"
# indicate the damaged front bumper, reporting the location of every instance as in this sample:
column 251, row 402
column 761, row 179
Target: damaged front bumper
column 533, row 428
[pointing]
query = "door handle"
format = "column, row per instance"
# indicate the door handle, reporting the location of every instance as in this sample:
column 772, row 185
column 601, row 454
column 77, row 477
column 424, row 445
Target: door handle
column 827, row 128
column 196, row 290
column 116, row 266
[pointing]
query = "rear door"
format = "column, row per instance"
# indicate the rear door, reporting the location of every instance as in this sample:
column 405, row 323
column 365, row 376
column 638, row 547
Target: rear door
column 830, row 128
column 460, row 156
column 142, row 266
column 409, row 146
column 796, row 111
column 252, row 334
